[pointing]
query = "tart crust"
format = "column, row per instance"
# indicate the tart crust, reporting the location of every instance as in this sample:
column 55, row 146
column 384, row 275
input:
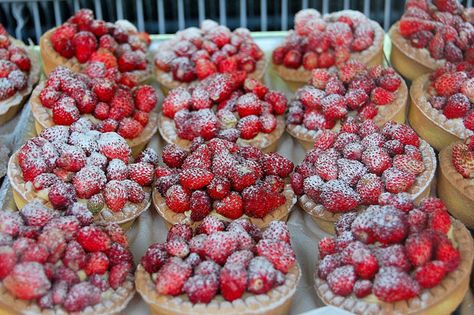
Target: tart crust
column 44, row 119
column 456, row 191
column 10, row 106
column 24, row 193
column 112, row 304
column 281, row 213
column 267, row 142
column 441, row 300
column 409, row 61
column 296, row 78
column 275, row 302
column 167, row 82
column 52, row 59
column 395, row 111
column 419, row 190
column 429, row 122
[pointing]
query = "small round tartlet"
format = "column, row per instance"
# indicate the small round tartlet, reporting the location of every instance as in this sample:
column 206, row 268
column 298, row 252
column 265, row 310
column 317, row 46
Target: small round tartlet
column 83, row 39
column 195, row 53
column 419, row 43
column 355, row 168
column 353, row 90
column 64, row 164
column 327, row 41
column 67, row 96
column 217, row 270
column 20, row 72
column 228, row 106
column 441, row 111
column 396, row 259
column 222, row 179
column 455, row 180
column 63, row 264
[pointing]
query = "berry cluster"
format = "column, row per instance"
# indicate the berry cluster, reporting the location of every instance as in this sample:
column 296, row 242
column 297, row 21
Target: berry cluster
column 14, row 66
column 333, row 94
column 393, row 250
column 441, row 27
column 222, row 176
column 118, row 46
column 74, row 163
column 322, row 42
column 355, row 166
column 63, row 262
column 245, row 108
column 462, row 157
column 116, row 107
column 451, row 92
column 215, row 259
column 197, row 53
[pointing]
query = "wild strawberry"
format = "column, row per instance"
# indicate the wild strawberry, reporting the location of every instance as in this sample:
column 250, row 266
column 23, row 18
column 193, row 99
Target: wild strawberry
column 27, row 281
column 201, row 289
column 97, row 263
column 333, row 106
column 410, row 25
column 249, row 127
column 61, row 39
column 397, row 181
column 49, row 97
column 391, row 285
column 65, row 111
column 276, row 164
column 233, row 281
column 177, row 198
column 129, row 128
column 293, row 59
column 439, row 220
column 85, row 43
column 195, row 178
column 341, row 280
column 154, row 258
column 381, row 96
column 93, row 239
column 61, row 195
column 261, row 276
column 177, row 247
column 218, row 188
column 230, row 206
column 36, row 214
column 430, row 274
column 326, row 246
column 362, row 288
column 200, row 205
column 456, row 106
column 220, row 245
column 446, row 253
column 419, row 248
column 449, row 83
column 141, row 173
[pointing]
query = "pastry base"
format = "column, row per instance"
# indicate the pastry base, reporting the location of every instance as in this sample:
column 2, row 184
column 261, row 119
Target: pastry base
column 114, row 304
column 456, row 191
column 167, row 83
column 171, row 217
column 440, row 300
column 297, row 78
column 275, row 302
column 267, row 142
column 409, row 61
column 10, row 106
column 429, row 126
column 420, row 189
column 43, row 120
column 51, row 59
column 24, row 193
column 396, row 111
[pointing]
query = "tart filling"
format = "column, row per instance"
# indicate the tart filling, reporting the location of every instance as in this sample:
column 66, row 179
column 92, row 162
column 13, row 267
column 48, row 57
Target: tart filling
column 64, row 164
column 220, row 269
column 353, row 90
column 445, row 97
column 435, row 32
column 66, row 96
column 196, row 53
column 228, row 106
column 353, row 168
column 326, row 41
column 221, row 178
column 54, row 263
column 82, row 40
column 396, row 258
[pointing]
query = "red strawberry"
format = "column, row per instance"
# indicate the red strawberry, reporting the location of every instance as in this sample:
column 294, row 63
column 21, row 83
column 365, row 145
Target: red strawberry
column 97, row 263
column 220, row 245
column 115, row 195
column 397, row 181
column 376, row 160
column 326, row 246
column 65, row 111
column 446, row 253
column 463, row 160
column 233, row 281
column 261, row 276
column 407, row 164
column 449, row 83
column 129, row 128
column 218, row 188
column 381, row 96
column 49, row 97
column 175, row 101
column 27, row 281
column 93, row 239
column 409, row 26
column 141, row 173
column 104, row 89
column 85, row 43
column 342, row 280
column 195, row 178
column 200, row 205
column 177, row 198
column 457, row 106
column 419, row 248
column 201, row 289
column 118, row 274
column 154, row 257
column 145, row 98
column 391, row 285
column 276, row 164
column 230, row 206
column 249, row 127
column 439, row 220
column 430, row 274
column 293, row 59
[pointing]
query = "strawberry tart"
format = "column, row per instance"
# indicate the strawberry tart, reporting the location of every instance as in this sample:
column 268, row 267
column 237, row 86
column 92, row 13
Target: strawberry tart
column 352, row 90
column 196, row 53
column 456, row 180
column 352, row 169
column 326, row 41
column 64, row 164
column 66, row 96
column 227, row 106
column 429, row 35
column 83, row 39
column 52, row 264
column 224, row 180
column 396, row 259
column 442, row 109
column 19, row 72
column 215, row 269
